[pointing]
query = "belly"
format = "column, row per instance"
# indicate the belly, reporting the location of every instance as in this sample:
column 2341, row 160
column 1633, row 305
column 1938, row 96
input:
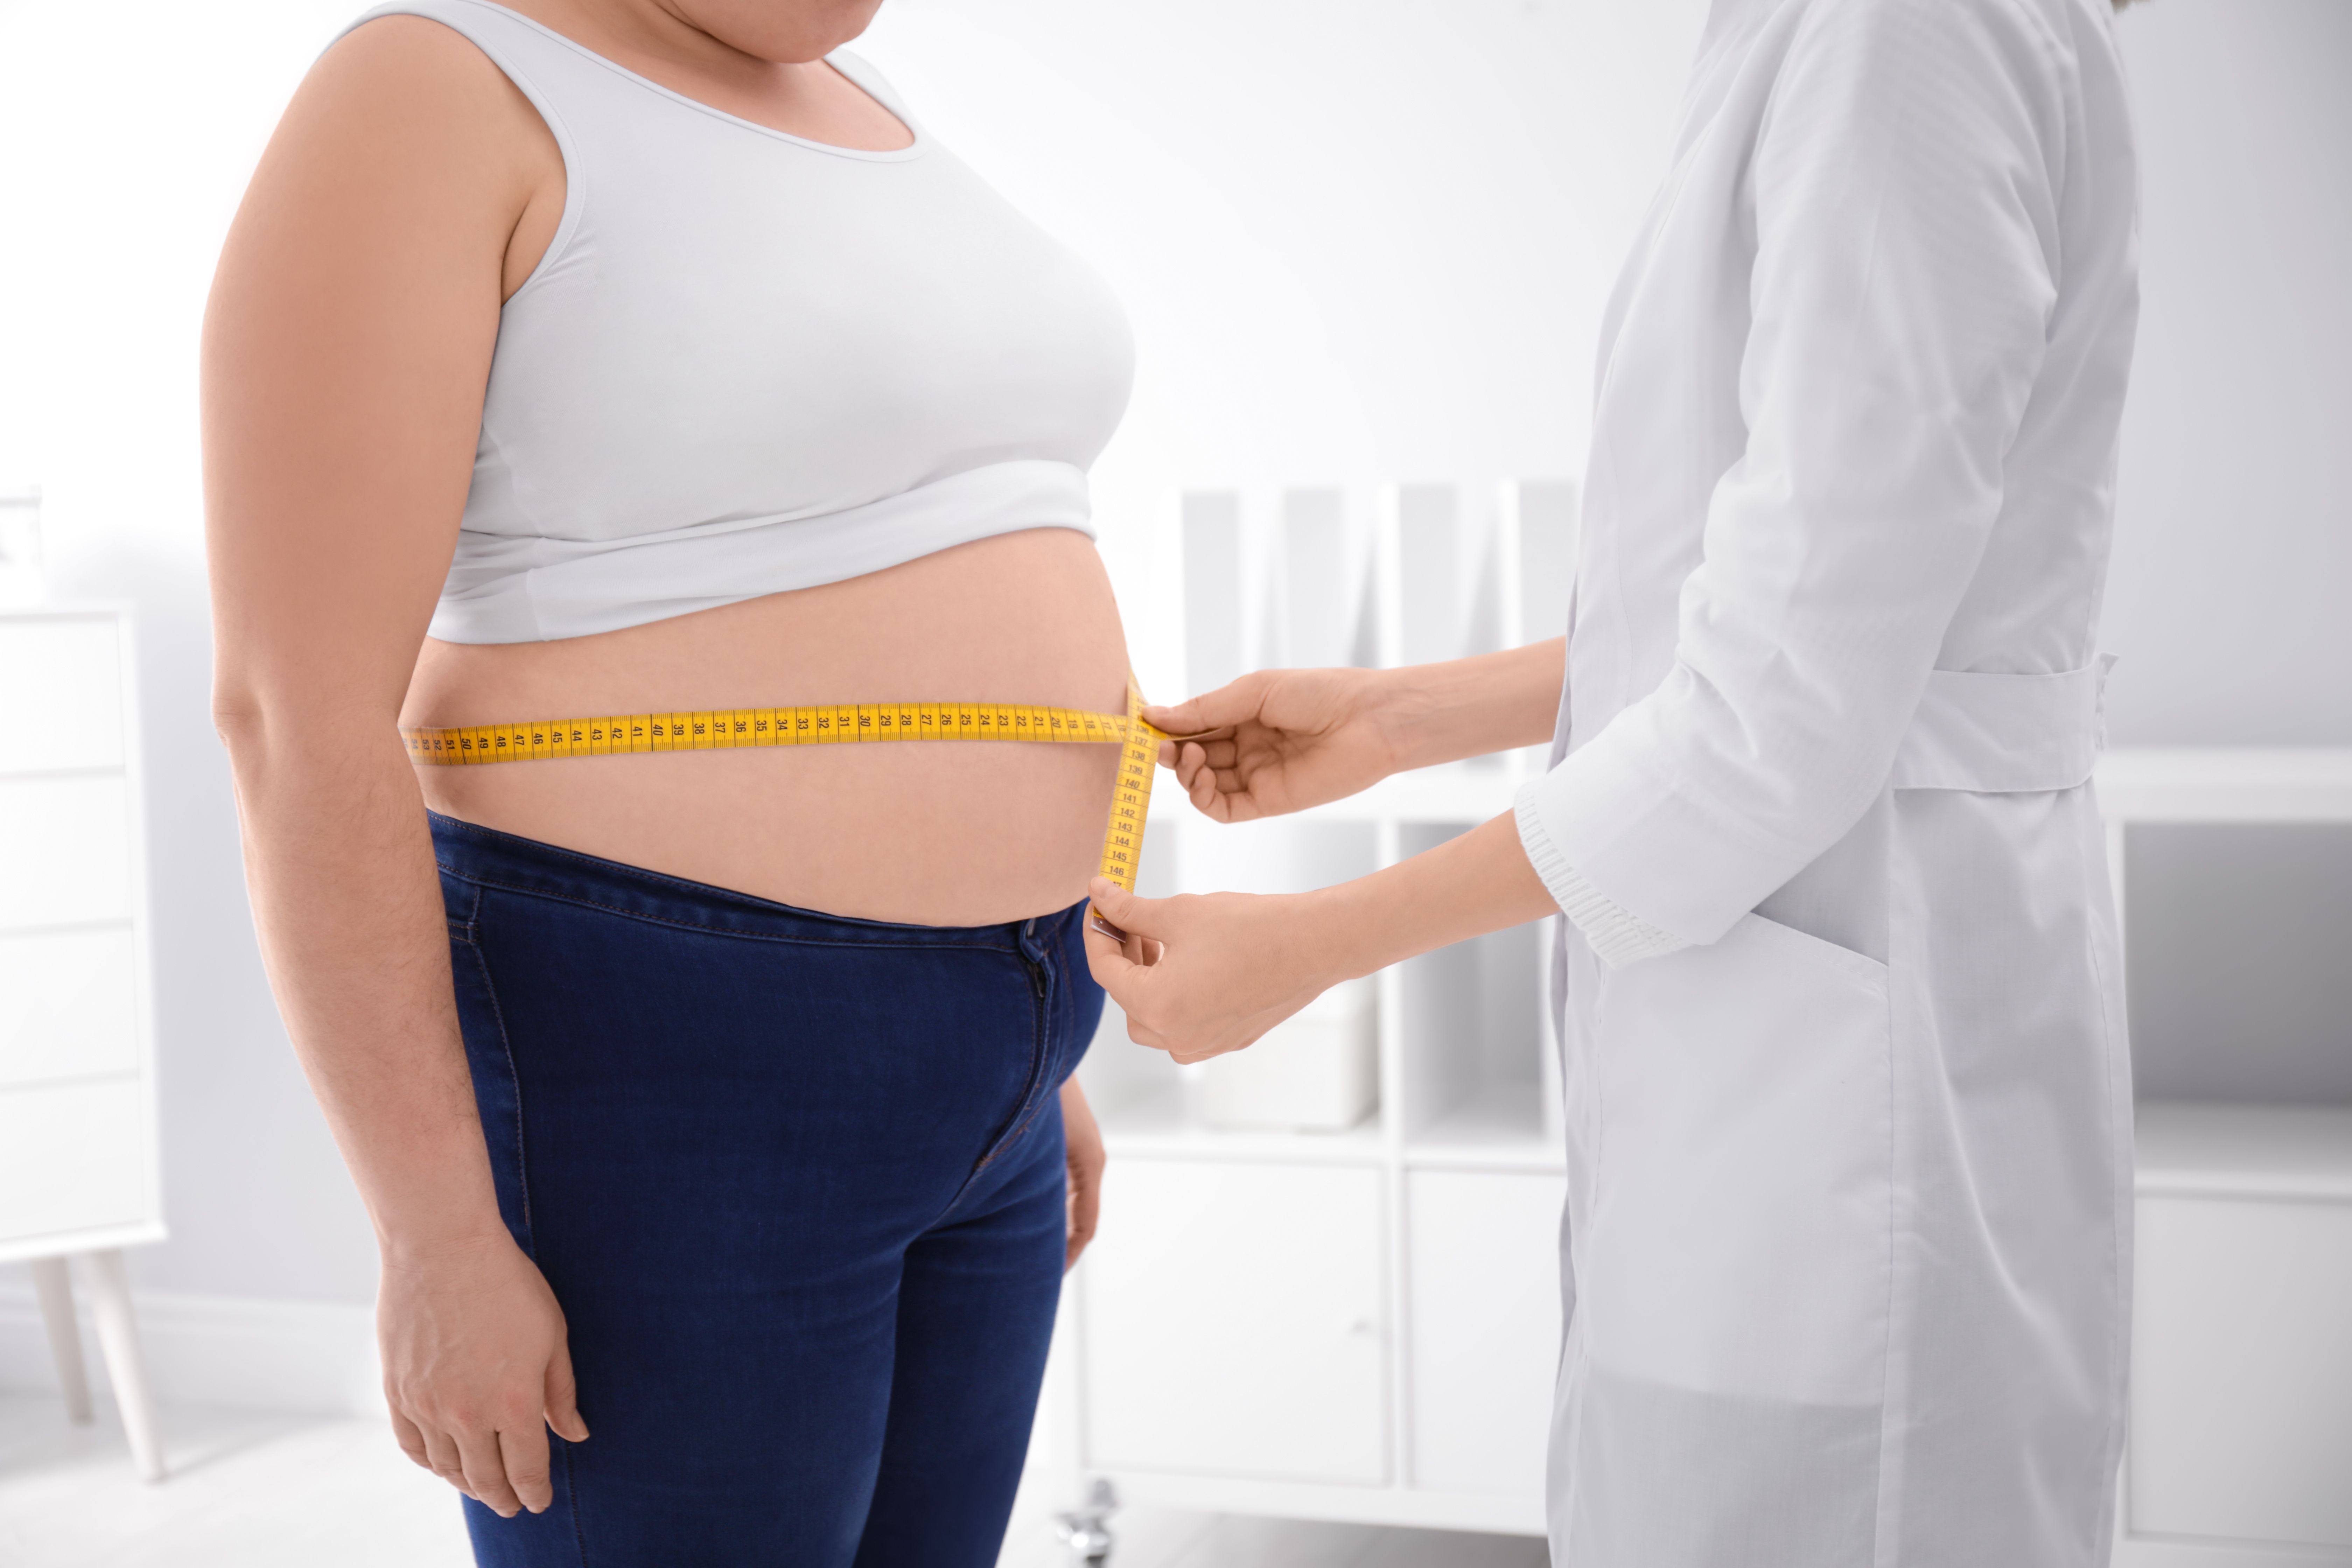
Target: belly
column 962, row 833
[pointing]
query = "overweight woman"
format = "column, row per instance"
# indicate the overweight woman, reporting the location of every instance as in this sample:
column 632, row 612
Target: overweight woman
column 645, row 357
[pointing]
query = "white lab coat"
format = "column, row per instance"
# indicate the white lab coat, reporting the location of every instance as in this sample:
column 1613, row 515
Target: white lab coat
column 1848, row 1106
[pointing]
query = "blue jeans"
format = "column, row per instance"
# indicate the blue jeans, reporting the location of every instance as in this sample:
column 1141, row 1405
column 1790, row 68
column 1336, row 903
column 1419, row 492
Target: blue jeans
column 797, row 1181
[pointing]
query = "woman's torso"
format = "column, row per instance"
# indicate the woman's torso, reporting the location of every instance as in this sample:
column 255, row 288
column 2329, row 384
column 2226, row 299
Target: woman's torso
column 773, row 422
column 964, row 833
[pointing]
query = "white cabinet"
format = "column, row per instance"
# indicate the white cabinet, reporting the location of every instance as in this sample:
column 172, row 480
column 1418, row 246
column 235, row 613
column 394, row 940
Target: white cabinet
column 2242, row 1363
column 2240, row 1451
column 1270, row 1279
column 72, row 1014
column 77, row 1148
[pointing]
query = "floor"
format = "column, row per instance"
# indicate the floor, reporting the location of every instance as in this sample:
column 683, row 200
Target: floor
column 280, row 1491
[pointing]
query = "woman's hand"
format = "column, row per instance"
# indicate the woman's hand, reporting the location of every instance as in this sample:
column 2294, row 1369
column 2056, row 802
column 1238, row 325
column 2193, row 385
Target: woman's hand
column 1087, row 1161
column 1280, row 741
column 477, row 1370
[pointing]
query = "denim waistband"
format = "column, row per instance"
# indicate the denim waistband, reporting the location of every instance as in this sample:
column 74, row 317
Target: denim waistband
column 486, row 858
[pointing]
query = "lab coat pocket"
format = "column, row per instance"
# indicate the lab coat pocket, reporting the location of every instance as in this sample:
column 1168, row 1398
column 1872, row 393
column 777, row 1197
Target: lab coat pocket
column 1738, row 1241
column 1724, row 1398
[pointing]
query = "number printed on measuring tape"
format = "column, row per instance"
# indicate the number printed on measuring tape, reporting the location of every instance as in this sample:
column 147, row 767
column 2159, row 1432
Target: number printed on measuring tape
column 831, row 725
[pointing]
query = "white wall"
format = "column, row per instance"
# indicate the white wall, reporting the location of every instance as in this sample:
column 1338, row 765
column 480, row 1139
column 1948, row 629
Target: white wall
column 2234, row 514
column 1359, row 240
column 126, row 135
column 2233, row 549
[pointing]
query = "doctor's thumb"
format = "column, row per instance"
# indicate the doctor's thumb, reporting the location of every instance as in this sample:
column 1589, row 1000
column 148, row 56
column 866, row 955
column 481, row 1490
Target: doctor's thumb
column 1220, row 709
column 1137, row 917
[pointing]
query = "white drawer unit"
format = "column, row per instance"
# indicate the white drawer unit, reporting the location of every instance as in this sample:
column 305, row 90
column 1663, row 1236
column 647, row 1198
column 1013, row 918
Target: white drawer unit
column 2242, row 1360
column 1271, row 1279
column 78, row 1171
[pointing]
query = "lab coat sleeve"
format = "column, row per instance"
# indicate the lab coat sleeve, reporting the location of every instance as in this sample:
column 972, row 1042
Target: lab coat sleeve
column 1904, row 186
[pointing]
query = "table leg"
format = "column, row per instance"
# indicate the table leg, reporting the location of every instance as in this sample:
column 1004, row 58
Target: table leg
column 53, row 1283
column 118, row 1337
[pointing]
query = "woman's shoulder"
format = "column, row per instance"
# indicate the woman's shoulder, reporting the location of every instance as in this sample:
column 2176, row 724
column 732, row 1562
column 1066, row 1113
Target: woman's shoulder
column 404, row 122
column 417, row 64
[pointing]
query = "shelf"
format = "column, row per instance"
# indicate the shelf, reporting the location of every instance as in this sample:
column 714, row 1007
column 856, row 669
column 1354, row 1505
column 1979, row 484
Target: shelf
column 1500, row 1127
column 2226, row 784
column 2293, row 1152
column 1157, row 1123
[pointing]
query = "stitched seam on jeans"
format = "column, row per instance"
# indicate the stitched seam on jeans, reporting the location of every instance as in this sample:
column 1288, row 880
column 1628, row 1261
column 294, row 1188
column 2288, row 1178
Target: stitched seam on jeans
column 514, row 1079
column 1024, row 1113
column 572, row 1493
column 1040, row 1062
column 529, row 893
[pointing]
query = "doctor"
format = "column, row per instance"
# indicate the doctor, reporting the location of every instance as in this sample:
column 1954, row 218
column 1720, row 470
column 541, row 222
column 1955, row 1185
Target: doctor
column 1848, row 1235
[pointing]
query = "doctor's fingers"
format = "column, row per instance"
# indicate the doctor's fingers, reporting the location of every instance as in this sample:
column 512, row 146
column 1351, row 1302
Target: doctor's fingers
column 1195, row 762
column 1144, row 1036
column 1220, row 751
column 1118, row 966
column 1229, row 704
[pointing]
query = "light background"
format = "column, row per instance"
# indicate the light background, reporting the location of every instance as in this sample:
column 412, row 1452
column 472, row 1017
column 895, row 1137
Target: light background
column 1360, row 241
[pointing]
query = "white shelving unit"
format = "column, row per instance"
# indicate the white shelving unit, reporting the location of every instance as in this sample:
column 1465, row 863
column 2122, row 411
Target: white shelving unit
column 1358, row 1325
column 79, row 1172
column 2240, row 1442
column 1363, row 1326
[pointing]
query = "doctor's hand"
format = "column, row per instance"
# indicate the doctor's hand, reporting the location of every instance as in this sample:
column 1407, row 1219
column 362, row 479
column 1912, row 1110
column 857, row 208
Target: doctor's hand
column 1281, row 740
column 1229, row 967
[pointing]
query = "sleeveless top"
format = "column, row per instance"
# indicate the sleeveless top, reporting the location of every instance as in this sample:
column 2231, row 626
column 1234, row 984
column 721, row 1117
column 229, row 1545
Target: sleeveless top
column 751, row 362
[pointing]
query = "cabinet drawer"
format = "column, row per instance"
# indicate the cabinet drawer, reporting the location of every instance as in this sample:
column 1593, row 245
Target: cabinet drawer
column 73, row 1157
column 67, row 846
column 72, row 1000
column 2241, row 1372
column 60, row 693
column 1233, row 1322
column 1484, row 1283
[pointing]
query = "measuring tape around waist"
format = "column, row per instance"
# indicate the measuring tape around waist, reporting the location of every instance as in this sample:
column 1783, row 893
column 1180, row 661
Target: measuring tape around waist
column 832, row 725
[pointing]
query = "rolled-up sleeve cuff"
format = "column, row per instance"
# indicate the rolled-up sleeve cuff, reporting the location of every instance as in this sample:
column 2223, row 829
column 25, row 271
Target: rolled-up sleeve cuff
column 1618, row 936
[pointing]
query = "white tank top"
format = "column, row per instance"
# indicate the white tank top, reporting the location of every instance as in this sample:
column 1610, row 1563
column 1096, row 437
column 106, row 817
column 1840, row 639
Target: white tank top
column 751, row 362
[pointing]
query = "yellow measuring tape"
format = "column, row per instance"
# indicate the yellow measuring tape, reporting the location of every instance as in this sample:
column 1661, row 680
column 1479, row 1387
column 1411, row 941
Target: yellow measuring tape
column 846, row 723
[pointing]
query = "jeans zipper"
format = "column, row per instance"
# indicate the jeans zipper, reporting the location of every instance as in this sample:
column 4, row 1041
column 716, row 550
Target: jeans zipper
column 1038, row 1064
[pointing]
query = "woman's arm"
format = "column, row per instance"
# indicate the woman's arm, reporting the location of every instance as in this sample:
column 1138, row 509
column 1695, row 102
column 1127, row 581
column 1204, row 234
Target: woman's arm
column 1283, row 740
column 346, row 348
